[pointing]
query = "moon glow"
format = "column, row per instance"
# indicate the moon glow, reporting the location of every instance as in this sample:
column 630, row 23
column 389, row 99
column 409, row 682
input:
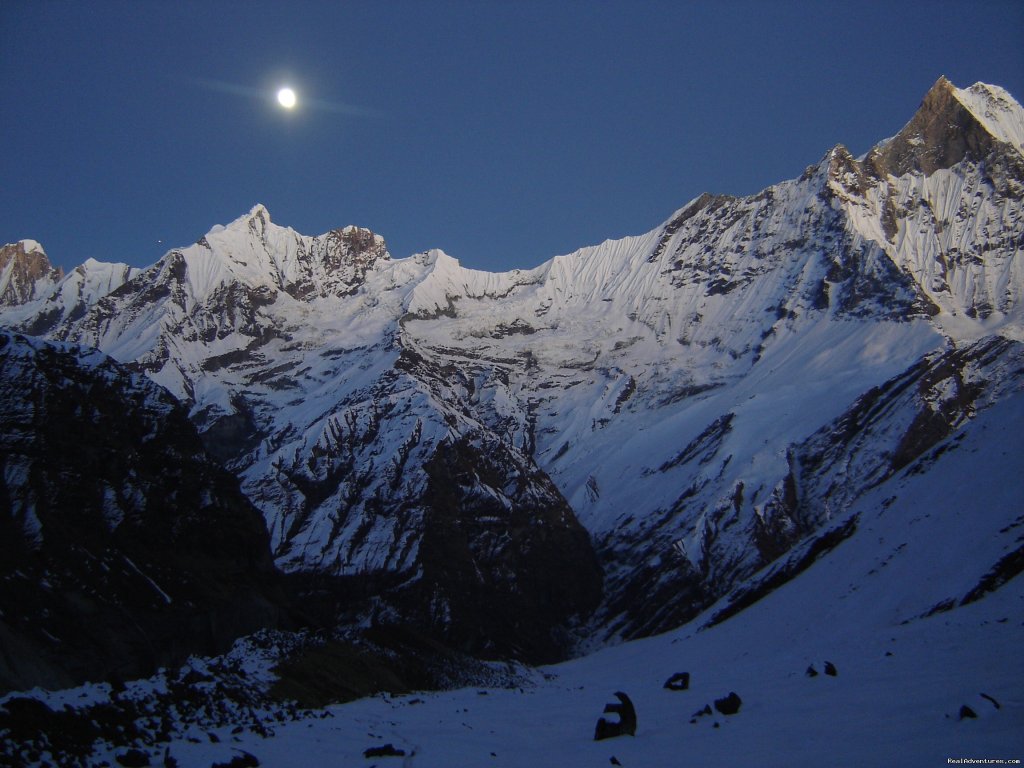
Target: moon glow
column 286, row 98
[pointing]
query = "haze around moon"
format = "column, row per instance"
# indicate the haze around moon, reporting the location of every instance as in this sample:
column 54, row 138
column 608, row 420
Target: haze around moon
column 286, row 98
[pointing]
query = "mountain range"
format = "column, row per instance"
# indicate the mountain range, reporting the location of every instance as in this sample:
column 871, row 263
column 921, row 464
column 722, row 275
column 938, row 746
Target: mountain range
column 536, row 463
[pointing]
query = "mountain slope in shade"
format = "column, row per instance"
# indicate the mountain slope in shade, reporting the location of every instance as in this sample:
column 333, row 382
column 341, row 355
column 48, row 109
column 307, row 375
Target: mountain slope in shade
column 907, row 608
column 690, row 403
column 124, row 546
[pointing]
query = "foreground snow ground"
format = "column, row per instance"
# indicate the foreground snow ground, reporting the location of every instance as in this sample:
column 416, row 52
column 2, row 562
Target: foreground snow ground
column 926, row 537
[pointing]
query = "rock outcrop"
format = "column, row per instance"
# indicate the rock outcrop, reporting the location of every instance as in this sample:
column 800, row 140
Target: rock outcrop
column 25, row 273
column 123, row 546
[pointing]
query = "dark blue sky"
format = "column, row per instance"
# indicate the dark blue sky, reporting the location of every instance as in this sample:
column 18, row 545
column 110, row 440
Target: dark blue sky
column 504, row 133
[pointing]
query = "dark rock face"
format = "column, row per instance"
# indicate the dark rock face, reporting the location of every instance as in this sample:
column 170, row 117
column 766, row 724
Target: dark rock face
column 941, row 134
column 499, row 580
column 21, row 266
column 123, row 546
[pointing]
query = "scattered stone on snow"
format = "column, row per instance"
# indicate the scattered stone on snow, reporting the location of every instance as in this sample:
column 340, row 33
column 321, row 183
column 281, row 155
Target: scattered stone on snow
column 388, row 750
column 729, row 705
column 680, row 681
column 627, row 719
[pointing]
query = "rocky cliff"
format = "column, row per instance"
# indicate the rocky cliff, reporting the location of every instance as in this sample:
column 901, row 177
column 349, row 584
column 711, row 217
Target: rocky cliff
column 124, row 546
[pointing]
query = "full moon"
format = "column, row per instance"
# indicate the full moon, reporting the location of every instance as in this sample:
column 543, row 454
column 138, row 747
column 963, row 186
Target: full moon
column 286, row 98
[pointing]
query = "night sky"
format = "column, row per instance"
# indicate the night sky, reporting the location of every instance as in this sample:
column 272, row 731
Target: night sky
column 504, row 133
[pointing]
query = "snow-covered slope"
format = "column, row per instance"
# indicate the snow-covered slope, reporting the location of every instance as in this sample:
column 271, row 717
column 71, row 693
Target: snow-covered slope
column 664, row 381
column 911, row 610
column 907, row 607
column 997, row 110
column 661, row 400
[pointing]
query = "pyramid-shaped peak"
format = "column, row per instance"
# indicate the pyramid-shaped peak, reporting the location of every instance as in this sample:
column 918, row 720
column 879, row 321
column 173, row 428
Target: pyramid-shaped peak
column 945, row 130
column 943, row 84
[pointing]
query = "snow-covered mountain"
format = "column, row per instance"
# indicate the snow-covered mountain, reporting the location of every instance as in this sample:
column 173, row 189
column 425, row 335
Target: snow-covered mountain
column 667, row 413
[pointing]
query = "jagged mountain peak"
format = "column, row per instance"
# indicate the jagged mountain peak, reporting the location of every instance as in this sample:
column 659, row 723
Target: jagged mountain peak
column 258, row 222
column 253, row 251
column 950, row 125
column 258, row 213
column 25, row 273
column 22, row 250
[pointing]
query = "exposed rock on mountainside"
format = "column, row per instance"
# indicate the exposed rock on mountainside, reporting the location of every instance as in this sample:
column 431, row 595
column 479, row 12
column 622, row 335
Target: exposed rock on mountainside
column 25, row 273
column 469, row 451
column 123, row 546
column 946, row 130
